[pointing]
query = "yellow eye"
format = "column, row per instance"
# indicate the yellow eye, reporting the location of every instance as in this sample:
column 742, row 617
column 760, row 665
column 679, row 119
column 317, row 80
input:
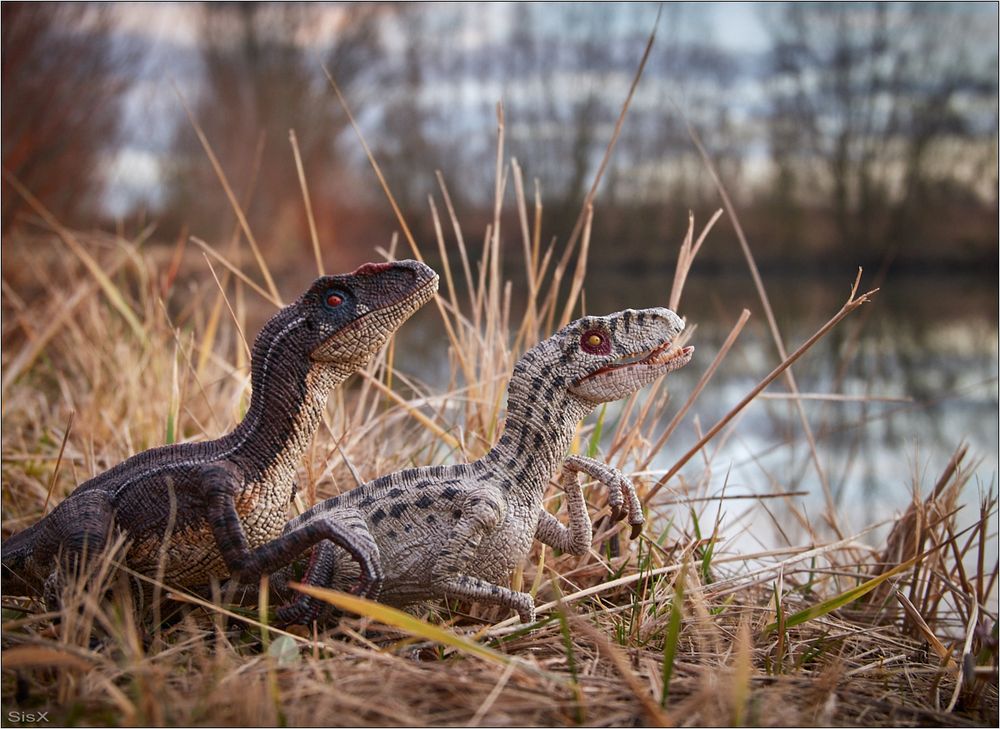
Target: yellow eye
column 595, row 341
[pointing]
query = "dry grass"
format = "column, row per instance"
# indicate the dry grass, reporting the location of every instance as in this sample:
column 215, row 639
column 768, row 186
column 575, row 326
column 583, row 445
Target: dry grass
column 111, row 346
column 743, row 638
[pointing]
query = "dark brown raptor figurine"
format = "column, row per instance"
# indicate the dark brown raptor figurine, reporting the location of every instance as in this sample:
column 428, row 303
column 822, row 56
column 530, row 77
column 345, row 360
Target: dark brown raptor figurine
column 195, row 511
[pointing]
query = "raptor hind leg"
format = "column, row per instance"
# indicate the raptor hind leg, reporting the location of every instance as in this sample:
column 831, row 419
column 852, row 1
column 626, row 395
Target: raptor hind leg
column 481, row 513
column 81, row 529
column 477, row 590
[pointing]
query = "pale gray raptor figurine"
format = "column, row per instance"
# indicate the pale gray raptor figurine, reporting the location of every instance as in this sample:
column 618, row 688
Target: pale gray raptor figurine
column 460, row 530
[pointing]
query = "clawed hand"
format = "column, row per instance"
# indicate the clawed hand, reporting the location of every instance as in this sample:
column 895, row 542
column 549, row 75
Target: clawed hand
column 621, row 492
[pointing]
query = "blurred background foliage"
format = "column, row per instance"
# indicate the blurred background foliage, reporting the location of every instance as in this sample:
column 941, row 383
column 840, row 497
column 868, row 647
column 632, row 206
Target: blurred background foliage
column 855, row 133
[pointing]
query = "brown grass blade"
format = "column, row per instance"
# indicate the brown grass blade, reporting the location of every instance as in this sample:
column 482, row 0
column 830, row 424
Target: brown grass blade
column 233, row 202
column 588, row 201
column 36, row 345
column 59, row 458
column 375, row 166
column 436, row 429
column 686, row 255
column 27, row 656
column 313, row 234
column 702, row 382
column 932, row 640
column 232, row 314
column 235, row 271
column 655, row 715
column 852, row 303
column 771, row 321
column 111, row 291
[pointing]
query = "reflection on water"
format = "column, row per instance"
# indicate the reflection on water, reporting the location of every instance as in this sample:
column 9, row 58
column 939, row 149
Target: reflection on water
column 916, row 370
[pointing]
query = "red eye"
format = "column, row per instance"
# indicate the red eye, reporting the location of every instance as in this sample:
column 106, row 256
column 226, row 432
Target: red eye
column 334, row 301
column 595, row 341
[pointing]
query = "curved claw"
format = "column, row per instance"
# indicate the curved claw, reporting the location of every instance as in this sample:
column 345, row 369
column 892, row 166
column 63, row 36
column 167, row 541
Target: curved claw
column 367, row 587
column 635, row 517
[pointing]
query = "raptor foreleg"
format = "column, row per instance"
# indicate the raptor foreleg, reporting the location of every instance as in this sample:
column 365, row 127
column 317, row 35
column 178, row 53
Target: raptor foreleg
column 247, row 565
column 577, row 537
column 621, row 492
column 321, row 572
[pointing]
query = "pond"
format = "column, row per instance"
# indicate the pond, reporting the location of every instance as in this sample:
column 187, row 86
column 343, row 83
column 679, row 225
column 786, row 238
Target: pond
column 914, row 373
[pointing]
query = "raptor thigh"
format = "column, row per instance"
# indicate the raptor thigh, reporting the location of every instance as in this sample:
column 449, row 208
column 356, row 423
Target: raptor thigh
column 481, row 513
column 82, row 532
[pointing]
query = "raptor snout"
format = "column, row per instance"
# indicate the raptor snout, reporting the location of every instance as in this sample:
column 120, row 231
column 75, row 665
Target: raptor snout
column 672, row 325
column 384, row 284
column 645, row 348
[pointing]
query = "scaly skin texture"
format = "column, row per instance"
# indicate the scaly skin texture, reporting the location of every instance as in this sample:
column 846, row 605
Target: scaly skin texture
column 461, row 530
column 230, row 496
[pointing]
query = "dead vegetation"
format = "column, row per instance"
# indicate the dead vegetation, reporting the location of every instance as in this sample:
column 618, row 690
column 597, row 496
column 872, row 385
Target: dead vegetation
column 677, row 628
column 111, row 346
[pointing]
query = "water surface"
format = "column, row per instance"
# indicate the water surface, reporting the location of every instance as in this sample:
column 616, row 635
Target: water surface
column 916, row 370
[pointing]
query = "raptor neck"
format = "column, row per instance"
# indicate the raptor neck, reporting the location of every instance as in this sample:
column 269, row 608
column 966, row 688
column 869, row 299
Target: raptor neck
column 286, row 406
column 542, row 418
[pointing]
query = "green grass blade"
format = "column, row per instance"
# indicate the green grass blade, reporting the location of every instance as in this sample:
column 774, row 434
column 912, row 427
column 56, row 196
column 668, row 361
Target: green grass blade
column 706, row 561
column 779, row 611
column 673, row 635
column 169, row 438
column 595, row 437
column 404, row 621
column 697, row 526
column 571, row 662
column 838, row 601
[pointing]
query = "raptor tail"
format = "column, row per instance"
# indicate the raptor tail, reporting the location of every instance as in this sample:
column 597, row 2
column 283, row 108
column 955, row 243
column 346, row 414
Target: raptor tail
column 14, row 554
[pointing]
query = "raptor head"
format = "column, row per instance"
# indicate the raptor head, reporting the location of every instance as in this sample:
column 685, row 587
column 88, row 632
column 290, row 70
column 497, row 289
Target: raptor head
column 606, row 358
column 345, row 319
column 352, row 315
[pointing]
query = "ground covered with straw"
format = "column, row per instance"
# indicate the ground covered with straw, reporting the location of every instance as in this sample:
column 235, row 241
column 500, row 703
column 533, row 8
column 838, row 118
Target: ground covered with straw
column 112, row 346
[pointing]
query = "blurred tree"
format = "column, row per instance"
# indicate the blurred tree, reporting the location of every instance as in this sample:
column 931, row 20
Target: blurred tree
column 866, row 117
column 405, row 150
column 262, row 76
column 64, row 78
column 863, row 98
column 567, row 71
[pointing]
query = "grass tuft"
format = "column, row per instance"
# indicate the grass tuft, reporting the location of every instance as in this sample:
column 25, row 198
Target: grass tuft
column 894, row 633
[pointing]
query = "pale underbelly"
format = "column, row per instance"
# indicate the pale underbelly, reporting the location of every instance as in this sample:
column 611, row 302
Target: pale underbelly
column 192, row 556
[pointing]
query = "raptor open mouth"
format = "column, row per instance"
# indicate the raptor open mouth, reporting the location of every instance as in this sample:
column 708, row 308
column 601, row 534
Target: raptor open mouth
column 661, row 356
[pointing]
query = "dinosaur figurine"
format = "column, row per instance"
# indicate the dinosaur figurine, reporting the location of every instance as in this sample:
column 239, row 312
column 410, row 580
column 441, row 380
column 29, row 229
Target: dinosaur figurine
column 460, row 530
column 216, row 508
